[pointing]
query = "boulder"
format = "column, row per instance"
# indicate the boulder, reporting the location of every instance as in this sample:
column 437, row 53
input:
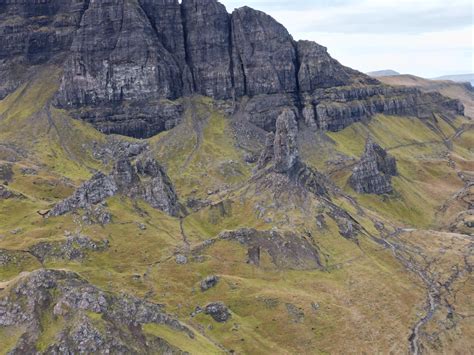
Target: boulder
column 209, row 282
column 218, row 311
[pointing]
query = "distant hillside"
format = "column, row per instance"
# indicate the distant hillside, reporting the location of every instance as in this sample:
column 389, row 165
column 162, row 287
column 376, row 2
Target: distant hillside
column 446, row 87
column 462, row 78
column 381, row 73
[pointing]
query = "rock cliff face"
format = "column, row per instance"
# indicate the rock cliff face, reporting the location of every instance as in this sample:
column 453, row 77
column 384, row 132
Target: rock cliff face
column 127, row 62
column 264, row 54
column 33, row 32
column 208, row 47
column 318, row 70
column 145, row 180
column 336, row 108
column 373, row 173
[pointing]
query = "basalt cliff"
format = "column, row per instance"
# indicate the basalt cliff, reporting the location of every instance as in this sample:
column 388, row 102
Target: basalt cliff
column 127, row 64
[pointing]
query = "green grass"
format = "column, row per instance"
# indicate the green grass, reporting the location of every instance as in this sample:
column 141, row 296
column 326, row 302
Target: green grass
column 9, row 337
column 364, row 295
column 198, row 345
column 425, row 180
column 51, row 327
column 214, row 162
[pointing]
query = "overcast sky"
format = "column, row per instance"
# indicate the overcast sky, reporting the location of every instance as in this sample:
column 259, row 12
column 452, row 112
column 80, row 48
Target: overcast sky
column 428, row 38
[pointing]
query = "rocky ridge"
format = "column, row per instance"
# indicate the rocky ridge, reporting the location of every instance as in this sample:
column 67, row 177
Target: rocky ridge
column 127, row 64
column 66, row 297
column 146, row 179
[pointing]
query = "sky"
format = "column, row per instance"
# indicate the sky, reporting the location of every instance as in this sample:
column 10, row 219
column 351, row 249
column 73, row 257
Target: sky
column 428, row 38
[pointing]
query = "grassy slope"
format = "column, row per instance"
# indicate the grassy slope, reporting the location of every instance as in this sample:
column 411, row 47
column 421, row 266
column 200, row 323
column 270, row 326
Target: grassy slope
column 425, row 178
column 367, row 301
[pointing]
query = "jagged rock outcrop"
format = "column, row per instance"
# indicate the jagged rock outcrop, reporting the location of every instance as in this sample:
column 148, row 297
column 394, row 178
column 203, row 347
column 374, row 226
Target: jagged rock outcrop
column 281, row 147
column 117, row 327
column 146, row 180
column 374, row 171
column 97, row 189
column 285, row 146
column 286, row 249
column 127, row 63
column 281, row 155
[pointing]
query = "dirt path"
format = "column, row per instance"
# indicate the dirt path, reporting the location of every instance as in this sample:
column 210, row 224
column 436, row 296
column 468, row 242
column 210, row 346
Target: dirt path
column 187, row 246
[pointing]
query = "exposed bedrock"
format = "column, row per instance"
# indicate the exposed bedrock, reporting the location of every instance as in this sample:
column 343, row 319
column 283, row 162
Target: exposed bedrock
column 373, row 174
column 318, row 70
column 335, row 108
column 33, row 32
column 94, row 321
column 146, row 180
column 281, row 156
column 127, row 62
column 208, row 47
column 264, row 54
column 286, row 249
column 285, row 146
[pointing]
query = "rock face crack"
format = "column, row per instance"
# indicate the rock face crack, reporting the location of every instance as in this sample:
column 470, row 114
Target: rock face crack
column 124, row 60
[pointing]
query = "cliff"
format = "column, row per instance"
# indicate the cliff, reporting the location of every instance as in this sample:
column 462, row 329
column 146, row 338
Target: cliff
column 127, row 63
